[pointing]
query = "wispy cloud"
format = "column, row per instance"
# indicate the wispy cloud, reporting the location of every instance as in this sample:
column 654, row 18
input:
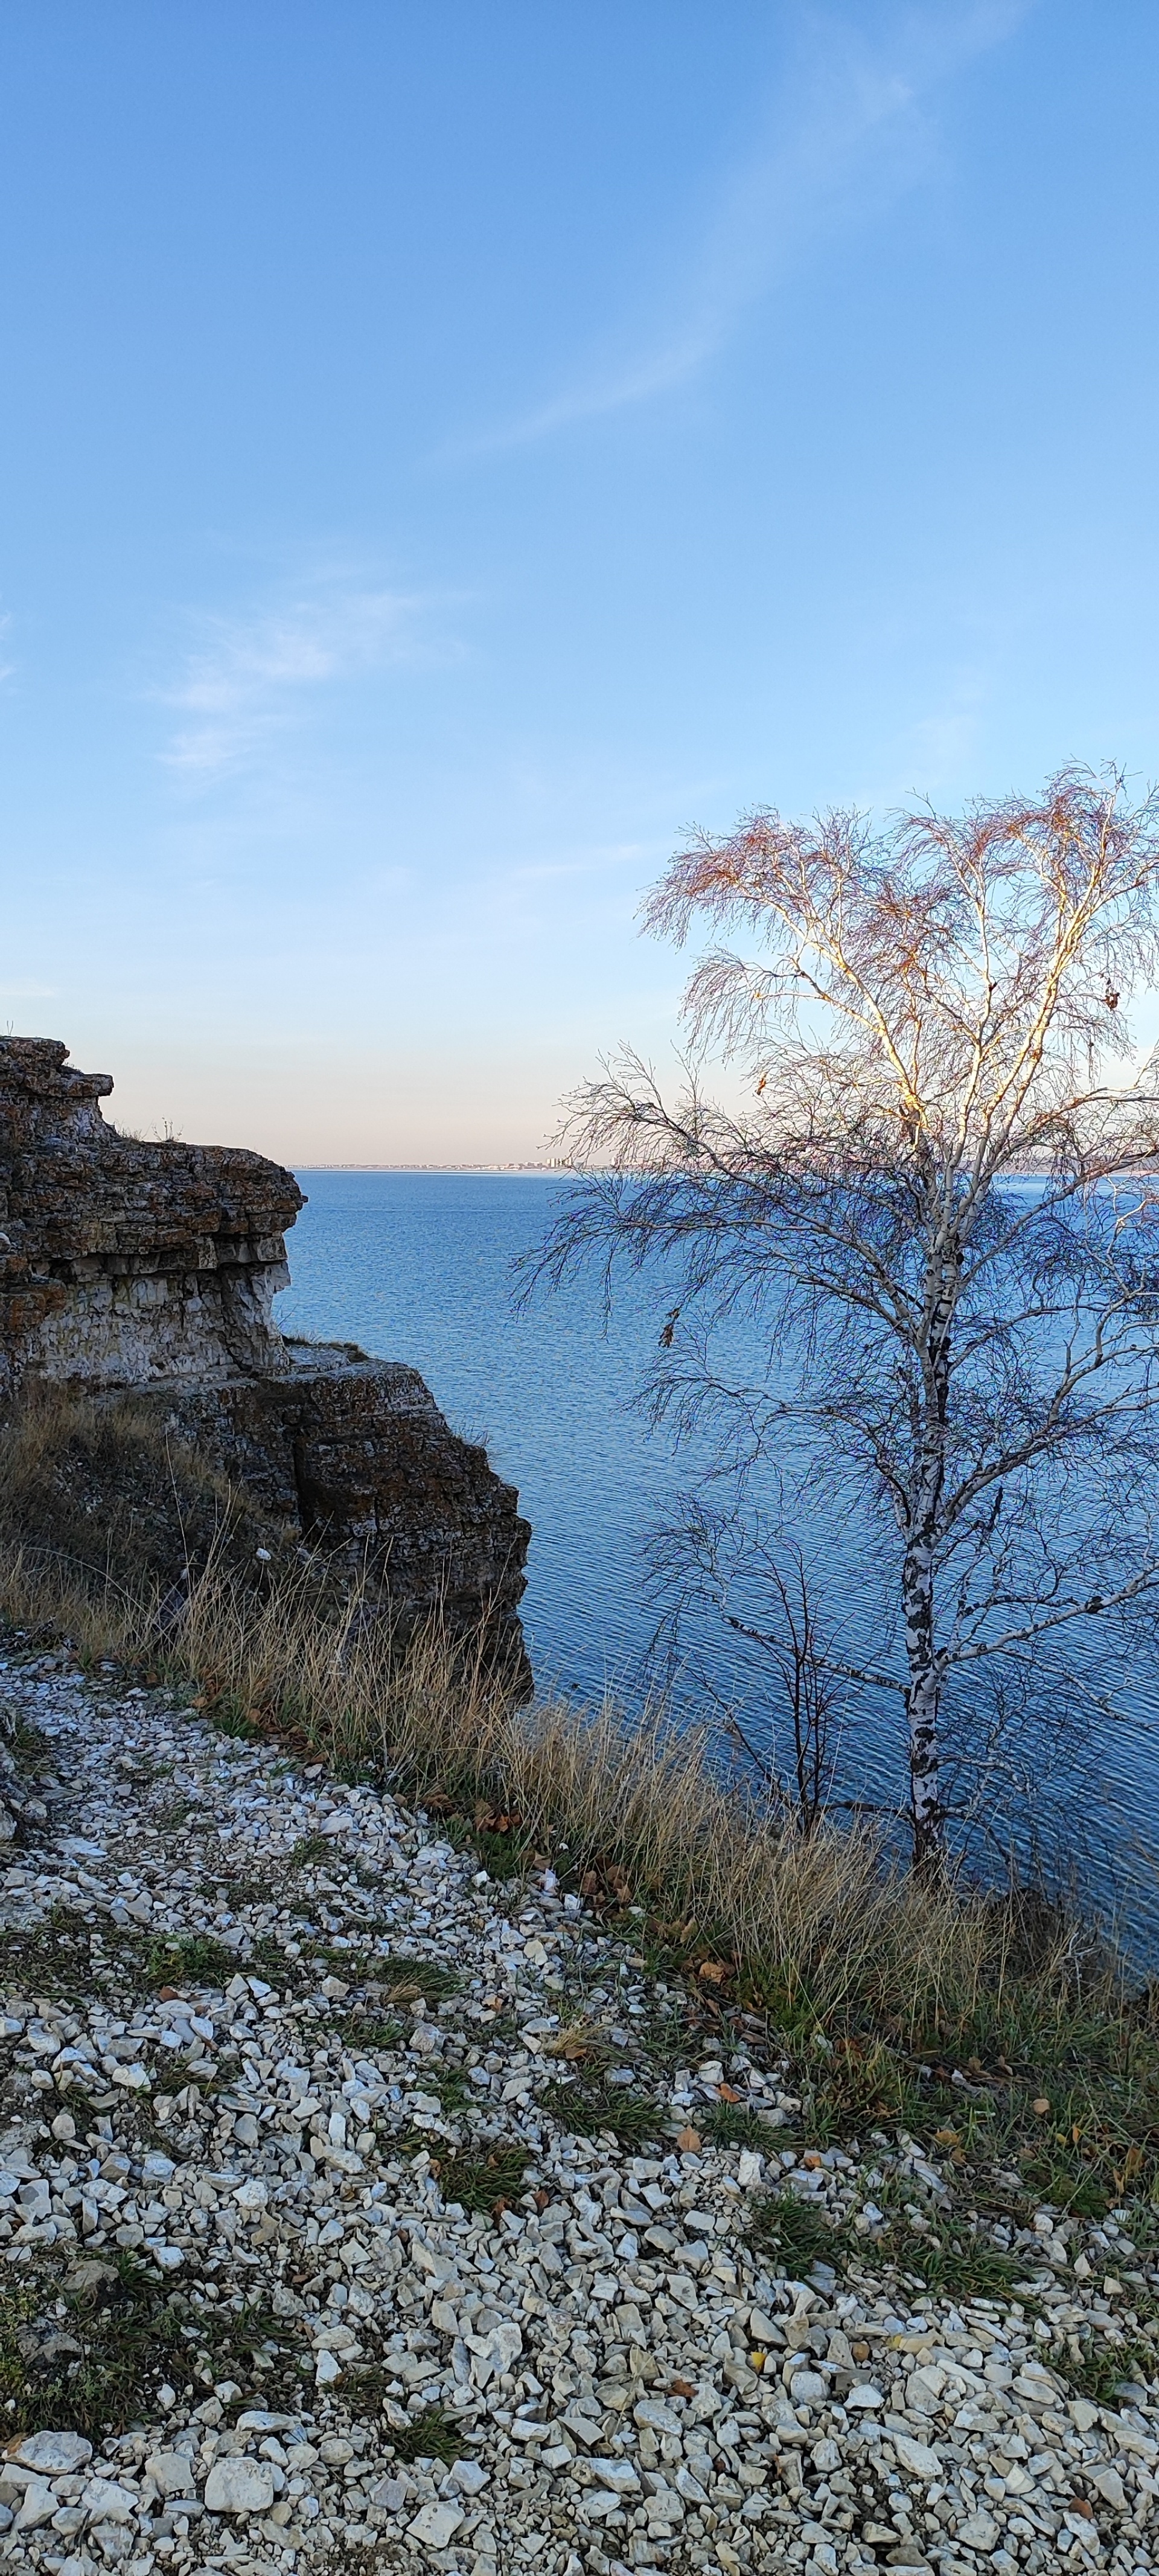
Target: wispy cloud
column 248, row 675
column 26, row 992
column 855, row 129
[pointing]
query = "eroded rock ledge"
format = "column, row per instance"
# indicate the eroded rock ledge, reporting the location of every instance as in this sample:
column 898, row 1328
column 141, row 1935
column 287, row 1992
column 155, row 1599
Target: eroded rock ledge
column 152, row 1268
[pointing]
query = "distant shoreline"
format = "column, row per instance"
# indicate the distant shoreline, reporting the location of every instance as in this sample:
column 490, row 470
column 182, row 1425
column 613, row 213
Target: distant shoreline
column 516, row 1171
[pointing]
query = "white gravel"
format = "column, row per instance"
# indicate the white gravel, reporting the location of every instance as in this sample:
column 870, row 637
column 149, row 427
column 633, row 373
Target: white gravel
column 634, row 2382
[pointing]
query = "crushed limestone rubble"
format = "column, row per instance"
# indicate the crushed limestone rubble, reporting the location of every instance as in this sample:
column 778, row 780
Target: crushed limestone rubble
column 627, row 2378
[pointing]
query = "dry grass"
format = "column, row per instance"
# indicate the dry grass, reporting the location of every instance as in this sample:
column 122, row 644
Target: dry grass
column 641, row 1815
column 98, row 1499
column 882, row 1985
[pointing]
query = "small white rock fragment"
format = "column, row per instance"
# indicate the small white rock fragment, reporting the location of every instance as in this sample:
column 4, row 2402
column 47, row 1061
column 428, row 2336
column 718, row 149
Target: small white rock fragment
column 618, row 2475
column 171, row 2472
column 979, row 2531
column 104, row 2500
column 436, row 2524
column 239, row 2486
column 917, row 2457
column 39, row 2505
column 390, row 2493
column 658, row 2414
column 57, row 2454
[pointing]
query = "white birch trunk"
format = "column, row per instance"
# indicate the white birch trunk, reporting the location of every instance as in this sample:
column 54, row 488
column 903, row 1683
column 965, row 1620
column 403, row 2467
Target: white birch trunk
column 922, row 1704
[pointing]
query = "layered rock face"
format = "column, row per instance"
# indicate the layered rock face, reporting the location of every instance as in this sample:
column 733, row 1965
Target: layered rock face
column 123, row 1262
column 153, row 1267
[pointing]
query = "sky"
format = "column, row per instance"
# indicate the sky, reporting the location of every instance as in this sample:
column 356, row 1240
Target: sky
column 446, row 452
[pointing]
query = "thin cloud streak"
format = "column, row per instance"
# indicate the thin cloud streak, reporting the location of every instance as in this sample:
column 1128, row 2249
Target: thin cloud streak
column 246, row 679
column 860, row 132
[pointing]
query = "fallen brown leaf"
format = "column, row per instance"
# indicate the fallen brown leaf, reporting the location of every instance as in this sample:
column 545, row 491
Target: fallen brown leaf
column 689, row 2142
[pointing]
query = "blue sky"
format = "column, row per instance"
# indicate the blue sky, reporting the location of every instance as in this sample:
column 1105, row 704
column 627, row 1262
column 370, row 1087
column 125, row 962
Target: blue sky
column 445, row 451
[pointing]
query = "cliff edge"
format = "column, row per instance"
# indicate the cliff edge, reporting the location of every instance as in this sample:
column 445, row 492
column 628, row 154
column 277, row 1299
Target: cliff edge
column 150, row 1269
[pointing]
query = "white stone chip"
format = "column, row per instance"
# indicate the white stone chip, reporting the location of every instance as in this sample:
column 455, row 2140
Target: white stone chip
column 239, row 2486
column 436, row 2524
column 917, row 2457
column 38, row 2505
column 55, row 2453
column 105, row 2500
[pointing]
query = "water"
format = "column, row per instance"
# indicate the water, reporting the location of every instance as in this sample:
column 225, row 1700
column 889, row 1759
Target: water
column 418, row 1267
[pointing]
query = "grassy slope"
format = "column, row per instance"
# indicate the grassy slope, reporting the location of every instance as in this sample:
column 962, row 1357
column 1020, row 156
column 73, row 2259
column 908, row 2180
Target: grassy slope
column 993, row 2026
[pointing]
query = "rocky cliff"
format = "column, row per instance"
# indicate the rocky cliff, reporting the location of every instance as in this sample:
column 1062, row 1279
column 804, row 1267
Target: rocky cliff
column 152, row 1268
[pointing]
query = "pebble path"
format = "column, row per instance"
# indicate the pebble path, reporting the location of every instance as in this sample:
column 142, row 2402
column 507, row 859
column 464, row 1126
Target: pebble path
column 626, row 2375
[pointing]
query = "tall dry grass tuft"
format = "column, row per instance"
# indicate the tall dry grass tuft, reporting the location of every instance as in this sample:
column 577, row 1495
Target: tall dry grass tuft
column 96, row 1490
column 44, row 1595
column 824, row 1928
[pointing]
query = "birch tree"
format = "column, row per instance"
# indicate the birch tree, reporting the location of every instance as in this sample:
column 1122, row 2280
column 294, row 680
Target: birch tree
column 932, row 1189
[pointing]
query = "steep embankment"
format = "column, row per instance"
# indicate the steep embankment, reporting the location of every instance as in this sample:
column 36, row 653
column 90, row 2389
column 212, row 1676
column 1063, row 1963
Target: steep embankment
column 305, row 2251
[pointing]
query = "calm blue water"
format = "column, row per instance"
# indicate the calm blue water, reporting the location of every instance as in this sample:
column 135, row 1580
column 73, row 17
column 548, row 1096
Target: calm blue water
column 418, row 1267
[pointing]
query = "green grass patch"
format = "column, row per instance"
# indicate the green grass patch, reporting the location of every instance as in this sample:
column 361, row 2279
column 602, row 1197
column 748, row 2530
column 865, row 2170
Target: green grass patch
column 33, row 1750
column 238, row 2331
column 504, row 1850
column 798, row 2232
column 456, row 2095
column 310, row 1851
column 85, row 2352
column 361, row 2031
column 1104, row 2367
column 191, row 1959
column 728, row 2124
column 53, row 1957
column 228, row 1716
column 585, row 2107
column 484, row 2179
column 432, row 2435
column 955, row 2266
column 947, row 2260
column 354, row 1967
column 173, row 1817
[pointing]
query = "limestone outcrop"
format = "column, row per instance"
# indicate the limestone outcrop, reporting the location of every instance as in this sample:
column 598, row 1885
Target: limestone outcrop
column 152, row 1268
